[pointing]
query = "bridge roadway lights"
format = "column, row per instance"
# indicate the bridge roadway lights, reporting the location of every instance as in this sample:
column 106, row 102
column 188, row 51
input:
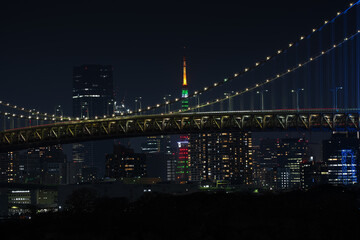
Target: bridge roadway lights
column 179, row 123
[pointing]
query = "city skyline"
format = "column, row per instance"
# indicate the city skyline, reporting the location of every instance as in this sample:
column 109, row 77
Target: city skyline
column 180, row 120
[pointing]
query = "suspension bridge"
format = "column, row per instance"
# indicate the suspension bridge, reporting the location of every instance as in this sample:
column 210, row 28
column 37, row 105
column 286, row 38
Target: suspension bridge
column 313, row 83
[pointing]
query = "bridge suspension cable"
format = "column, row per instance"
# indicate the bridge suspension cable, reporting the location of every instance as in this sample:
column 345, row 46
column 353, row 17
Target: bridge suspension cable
column 205, row 89
column 36, row 117
column 34, row 112
column 258, row 64
column 277, row 76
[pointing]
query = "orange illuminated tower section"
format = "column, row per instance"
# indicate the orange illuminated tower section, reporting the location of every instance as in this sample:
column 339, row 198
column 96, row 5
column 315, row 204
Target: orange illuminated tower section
column 182, row 166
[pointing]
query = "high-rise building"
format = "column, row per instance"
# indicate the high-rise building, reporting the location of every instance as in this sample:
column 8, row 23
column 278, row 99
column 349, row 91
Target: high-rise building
column 292, row 152
column 341, row 157
column 125, row 163
column 223, row 156
column 44, row 165
column 93, row 95
column 280, row 164
column 54, row 166
column 9, row 165
column 311, row 173
column 160, row 158
column 182, row 165
column 93, row 91
column 266, row 163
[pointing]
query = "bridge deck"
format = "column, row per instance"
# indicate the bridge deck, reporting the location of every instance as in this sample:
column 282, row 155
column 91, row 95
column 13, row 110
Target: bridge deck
column 179, row 123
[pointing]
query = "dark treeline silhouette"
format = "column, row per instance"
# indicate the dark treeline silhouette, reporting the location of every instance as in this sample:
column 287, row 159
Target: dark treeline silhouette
column 321, row 213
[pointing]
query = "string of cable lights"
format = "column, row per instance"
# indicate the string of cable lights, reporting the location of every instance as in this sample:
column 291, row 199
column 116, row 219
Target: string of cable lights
column 267, row 81
column 31, row 113
column 52, row 119
column 248, row 69
column 195, row 93
column 35, row 117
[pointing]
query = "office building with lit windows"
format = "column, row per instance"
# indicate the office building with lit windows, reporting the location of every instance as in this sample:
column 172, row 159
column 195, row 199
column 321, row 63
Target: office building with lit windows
column 279, row 164
column 93, row 95
column 219, row 157
column 125, row 163
column 9, row 165
column 20, row 200
column 44, row 165
column 341, row 157
column 266, row 163
column 291, row 153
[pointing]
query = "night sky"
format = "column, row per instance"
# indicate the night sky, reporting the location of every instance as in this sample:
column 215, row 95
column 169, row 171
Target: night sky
column 42, row 41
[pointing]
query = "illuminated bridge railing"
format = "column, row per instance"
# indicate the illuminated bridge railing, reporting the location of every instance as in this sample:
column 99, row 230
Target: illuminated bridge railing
column 181, row 123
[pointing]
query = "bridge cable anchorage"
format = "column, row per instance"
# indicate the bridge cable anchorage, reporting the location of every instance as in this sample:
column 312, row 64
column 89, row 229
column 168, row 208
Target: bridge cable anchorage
column 277, row 76
column 247, row 69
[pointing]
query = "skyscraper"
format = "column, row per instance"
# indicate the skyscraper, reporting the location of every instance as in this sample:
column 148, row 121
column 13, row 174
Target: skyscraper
column 93, row 95
column 93, row 91
column 159, row 157
column 292, row 152
column 341, row 157
column 266, row 163
column 9, row 167
column 182, row 165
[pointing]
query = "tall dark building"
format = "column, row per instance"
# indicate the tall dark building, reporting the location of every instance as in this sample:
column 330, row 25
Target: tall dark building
column 266, row 163
column 93, row 95
column 93, row 91
column 161, row 161
column 311, row 173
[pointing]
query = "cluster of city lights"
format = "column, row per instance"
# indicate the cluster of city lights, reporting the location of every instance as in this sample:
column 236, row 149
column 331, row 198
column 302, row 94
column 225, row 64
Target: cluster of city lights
column 277, row 76
column 33, row 114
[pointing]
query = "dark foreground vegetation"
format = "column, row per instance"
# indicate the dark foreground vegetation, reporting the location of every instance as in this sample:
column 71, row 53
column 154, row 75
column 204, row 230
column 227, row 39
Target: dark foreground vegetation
column 321, row 213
